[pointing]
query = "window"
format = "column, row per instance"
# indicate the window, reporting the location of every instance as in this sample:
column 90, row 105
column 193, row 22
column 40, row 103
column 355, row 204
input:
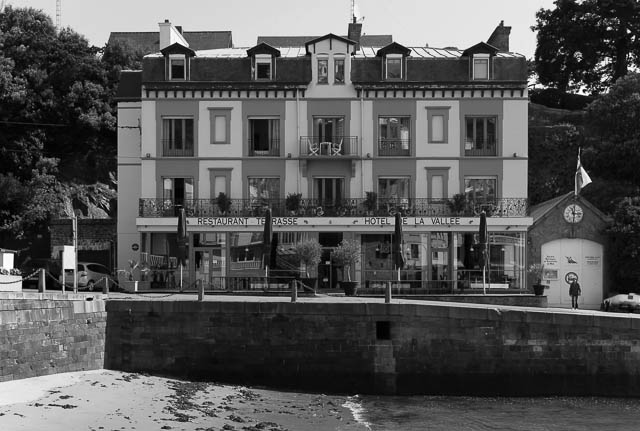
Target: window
column 394, row 136
column 220, row 119
column 323, row 71
column 264, row 137
column 263, row 67
column 438, row 123
column 394, row 191
column 328, row 129
column 177, row 137
column 262, row 190
column 394, row 66
column 177, row 67
column 481, row 66
column 338, row 71
column 480, row 189
column 177, row 190
column 480, row 136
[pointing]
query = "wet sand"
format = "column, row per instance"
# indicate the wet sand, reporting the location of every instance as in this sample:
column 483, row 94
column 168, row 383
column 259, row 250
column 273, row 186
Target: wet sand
column 112, row 400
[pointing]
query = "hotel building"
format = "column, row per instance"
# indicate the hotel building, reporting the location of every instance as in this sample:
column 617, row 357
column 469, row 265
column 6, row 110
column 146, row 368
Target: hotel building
column 356, row 127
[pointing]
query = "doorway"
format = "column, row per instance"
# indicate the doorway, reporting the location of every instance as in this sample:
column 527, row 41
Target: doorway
column 328, row 274
column 328, row 191
column 209, row 267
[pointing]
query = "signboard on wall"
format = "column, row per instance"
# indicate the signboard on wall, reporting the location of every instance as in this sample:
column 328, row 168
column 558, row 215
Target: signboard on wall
column 68, row 257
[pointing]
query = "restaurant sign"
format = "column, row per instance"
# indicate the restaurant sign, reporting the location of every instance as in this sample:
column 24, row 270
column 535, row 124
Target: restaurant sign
column 324, row 221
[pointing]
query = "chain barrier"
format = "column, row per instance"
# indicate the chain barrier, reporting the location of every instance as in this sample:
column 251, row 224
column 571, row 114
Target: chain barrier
column 22, row 278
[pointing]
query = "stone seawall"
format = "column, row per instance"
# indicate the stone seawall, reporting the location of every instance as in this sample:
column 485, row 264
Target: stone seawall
column 372, row 347
column 49, row 333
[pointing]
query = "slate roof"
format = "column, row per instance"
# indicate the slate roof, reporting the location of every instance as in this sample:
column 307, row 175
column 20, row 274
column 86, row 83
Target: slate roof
column 365, row 40
column 149, row 41
column 129, row 86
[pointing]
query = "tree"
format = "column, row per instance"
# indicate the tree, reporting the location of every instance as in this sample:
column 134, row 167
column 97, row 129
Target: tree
column 625, row 244
column 57, row 113
column 587, row 44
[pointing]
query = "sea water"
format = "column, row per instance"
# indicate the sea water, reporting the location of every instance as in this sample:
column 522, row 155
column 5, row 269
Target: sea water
column 391, row 413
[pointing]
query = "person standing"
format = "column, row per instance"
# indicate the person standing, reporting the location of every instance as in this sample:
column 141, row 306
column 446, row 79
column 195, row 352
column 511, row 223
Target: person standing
column 574, row 292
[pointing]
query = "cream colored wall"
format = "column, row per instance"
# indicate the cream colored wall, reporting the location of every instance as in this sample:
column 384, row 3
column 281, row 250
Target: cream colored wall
column 449, row 149
column 294, row 183
column 205, row 148
column 291, row 119
column 515, row 128
column 204, row 180
column 514, row 180
column 453, row 185
column 331, row 50
column 148, row 124
column 129, row 180
column 368, row 127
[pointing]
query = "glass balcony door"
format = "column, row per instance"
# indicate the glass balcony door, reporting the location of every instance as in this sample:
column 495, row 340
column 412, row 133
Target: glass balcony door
column 328, row 129
column 328, row 191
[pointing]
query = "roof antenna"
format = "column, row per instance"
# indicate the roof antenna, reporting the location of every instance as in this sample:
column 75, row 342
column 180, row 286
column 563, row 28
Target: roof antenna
column 355, row 13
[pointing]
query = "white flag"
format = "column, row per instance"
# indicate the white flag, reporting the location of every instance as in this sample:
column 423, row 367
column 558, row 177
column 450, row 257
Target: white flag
column 582, row 178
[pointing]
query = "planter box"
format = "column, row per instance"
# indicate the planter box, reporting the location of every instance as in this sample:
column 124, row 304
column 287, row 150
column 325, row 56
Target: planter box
column 10, row 283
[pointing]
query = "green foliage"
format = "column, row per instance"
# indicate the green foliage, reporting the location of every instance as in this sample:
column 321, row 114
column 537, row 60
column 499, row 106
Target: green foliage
column 292, row 201
column 347, row 254
column 625, row 245
column 309, row 253
column 58, row 140
column 586, row 44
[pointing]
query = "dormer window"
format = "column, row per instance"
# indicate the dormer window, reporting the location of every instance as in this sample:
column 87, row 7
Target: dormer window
column 394, row 61
column 338, row 70
column 481, row 66
column 323, row 70
column 479, row 56
column 394, row 66
column 177, row 61
column 263, row 62
column 263, row 67
column 177, row 67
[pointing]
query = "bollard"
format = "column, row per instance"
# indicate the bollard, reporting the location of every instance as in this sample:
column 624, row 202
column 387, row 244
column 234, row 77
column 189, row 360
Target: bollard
column 42, row 284
column 387, row 293
column 294, row 291
column 200, row 290
column 105, row 289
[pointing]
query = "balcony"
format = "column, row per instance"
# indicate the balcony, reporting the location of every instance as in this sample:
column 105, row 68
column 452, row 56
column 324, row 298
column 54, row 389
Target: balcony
column 257, row 150
column 394, row 147
column 336, row 147
column 357, row 207
column 172, row 148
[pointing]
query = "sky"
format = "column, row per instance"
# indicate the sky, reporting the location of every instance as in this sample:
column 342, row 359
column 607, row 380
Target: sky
column 412, row 23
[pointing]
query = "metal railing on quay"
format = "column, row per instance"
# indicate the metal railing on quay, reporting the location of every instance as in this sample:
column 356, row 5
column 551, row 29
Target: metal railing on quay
column 355, row 207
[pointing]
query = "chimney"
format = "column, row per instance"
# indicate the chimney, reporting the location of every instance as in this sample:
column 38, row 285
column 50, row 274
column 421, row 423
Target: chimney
column 355, row 30
column 500, row 37
column 170, row 35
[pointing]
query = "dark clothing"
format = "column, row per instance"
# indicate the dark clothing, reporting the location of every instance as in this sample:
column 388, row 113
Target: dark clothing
column 574, row 292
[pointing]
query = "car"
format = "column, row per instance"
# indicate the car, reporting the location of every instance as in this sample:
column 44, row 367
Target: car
column 623, row 302
column 91, row 276
column 29, row 269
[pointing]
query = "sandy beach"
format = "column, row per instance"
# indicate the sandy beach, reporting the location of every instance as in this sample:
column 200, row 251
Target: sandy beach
column 113, row 400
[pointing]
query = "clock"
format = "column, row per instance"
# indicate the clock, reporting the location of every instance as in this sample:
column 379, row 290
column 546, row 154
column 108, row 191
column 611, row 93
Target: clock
column 573, row 213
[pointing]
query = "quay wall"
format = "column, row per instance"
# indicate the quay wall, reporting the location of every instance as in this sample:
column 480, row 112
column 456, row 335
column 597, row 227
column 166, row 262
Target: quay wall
column 372, row 347
column 49, row 333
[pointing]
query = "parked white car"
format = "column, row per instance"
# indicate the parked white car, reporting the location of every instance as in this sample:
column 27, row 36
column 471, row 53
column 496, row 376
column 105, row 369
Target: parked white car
column 90, row 276
column 624, row 302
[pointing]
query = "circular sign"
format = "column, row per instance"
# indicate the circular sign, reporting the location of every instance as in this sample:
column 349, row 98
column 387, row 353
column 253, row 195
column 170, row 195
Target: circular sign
column 569, row 277
column 135, row 247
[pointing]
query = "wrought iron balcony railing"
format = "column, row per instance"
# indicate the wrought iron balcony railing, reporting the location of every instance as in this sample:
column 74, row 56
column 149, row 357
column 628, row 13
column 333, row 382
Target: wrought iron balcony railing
column 357, row 207
column 394, row 147
column 336, row 146
column 172, row 148
column 257, row 150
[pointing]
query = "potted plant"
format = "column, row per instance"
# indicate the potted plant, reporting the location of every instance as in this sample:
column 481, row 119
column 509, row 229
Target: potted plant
column 224, row 202
column 309, row 253
column 292, row 202
column 371, row 202
column 346, row 255
column 129, row 275
column 458, row 203
column 536, row 270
